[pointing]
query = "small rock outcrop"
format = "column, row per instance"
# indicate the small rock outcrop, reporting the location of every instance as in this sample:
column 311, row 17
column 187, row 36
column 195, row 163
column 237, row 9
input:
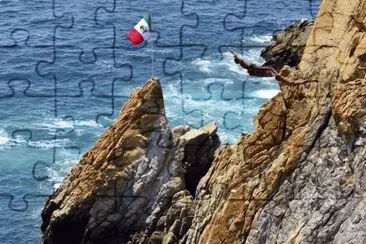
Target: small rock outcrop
column 132, row 185
column 288, row 45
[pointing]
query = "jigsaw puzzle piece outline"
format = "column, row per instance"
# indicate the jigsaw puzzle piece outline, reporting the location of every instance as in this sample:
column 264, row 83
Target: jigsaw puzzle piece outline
column 12, row 199
column 220, row 27
column 275, row 28
column 208, row 87
column 50, row 68
column 31, row 24
column 50, row 48
column 26, row 138
column 54, row 151
column 181, row 86
column 87, row 92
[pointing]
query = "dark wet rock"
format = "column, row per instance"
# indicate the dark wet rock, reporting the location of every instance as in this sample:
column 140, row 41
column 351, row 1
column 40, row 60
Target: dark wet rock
column 288, row 46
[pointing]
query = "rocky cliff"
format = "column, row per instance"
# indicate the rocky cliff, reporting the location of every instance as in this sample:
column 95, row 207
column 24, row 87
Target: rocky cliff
column 137, row 181
column 288, row 46
column 300, row 177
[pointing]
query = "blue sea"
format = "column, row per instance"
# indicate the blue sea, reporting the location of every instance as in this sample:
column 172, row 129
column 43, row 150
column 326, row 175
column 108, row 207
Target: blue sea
column 66, row 69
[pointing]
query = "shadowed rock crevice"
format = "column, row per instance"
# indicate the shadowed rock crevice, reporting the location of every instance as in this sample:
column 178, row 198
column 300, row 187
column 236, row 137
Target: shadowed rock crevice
column 199, row 149
column 288, row 45
column 131, row 186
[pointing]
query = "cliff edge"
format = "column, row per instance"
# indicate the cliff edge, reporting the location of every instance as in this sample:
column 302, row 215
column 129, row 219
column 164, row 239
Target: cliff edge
column 137, row 181
column 300, row 177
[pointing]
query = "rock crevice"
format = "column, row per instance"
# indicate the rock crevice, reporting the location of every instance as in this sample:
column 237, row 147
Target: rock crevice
column 132, row 185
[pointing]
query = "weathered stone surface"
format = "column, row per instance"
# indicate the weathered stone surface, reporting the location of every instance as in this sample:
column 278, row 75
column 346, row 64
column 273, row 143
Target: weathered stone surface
column 313, row 203
column 131, row 185
column 298, row 178
column 200, row 146
column 288, row 45
column 284, row 52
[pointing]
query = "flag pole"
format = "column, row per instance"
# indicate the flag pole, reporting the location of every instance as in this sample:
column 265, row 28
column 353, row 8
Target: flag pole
column 152, row 49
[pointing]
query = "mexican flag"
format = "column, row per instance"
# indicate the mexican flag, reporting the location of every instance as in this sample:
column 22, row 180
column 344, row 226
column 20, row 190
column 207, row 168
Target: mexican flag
column 136, row 33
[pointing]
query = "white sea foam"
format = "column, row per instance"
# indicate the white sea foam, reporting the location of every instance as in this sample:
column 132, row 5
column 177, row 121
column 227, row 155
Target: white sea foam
column 209, row 67
column 228, row 137
column 218, row 80
column 6, row 141
column 49, row 143
column 263, row 93
column 251, row 56
column 4, row 137
column 52, row 124
column 19, row 141
column 60, row 169
column 63, row 124
column 203, row 65
column 106, row 65
column 260, row 39
column 179, row 107
column 87, row 123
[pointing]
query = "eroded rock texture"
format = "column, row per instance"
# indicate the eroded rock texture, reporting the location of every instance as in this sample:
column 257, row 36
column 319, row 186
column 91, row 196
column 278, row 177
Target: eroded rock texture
column 131, row 185
column 299, row 178
column 287, row 46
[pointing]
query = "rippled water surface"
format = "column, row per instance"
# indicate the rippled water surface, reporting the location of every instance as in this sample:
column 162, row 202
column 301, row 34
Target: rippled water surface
column 66, row 68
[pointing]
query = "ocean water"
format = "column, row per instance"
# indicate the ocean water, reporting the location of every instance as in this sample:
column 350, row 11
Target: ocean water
column 66, row 68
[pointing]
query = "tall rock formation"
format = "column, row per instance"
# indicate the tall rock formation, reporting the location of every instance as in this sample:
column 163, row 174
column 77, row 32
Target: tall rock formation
column 131, row 184
column 299, row 177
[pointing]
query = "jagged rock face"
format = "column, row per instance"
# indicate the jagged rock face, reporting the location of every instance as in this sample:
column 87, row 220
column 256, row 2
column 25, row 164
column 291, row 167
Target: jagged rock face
column 131, row 185
column 200, row 147
column 122, row 169
column 287, row 46
column 321, row 201
column 300, row 176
